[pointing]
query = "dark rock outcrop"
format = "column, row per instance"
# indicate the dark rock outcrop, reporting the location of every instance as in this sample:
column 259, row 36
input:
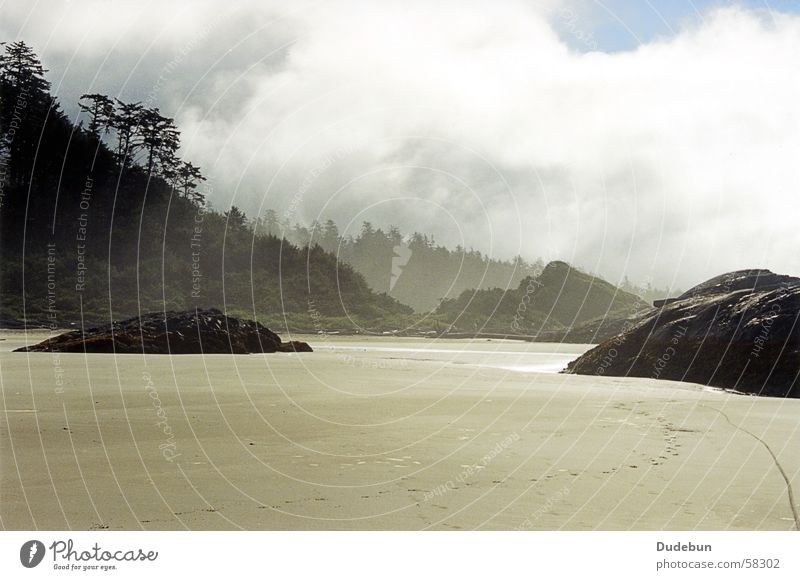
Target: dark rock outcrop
column 572, row 298
column 738, row 331
column 294, row 346
column 200, row 332
column 593, row 331
column 561, row 304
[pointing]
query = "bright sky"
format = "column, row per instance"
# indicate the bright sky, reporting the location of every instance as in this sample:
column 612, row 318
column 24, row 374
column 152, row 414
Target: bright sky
column 618, row 25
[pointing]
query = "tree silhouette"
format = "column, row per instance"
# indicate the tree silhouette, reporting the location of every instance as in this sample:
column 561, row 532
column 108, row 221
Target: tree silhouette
column 25, row 106
column 22, row 69
column 270, row 223
column 160, row 139
column 188, row 178
column 330, row 237
column 235, row 218
column 100, row 110
column 126, row 122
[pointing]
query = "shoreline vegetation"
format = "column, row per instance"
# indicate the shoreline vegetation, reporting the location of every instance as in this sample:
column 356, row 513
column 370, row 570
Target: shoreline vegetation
column 102, row 219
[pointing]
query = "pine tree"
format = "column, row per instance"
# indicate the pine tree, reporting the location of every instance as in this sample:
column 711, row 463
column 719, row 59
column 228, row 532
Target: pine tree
column 188, row 178
column 22, row 69
column 329, row 238
column 26, row 102
column 160, row 139
column 100, row 110
column 235, row 219
column 126, row 123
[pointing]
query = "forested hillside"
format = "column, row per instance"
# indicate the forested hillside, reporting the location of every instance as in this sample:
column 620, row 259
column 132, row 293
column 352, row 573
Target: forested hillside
column 559, row 300
column 103, row 219
column 412, row 268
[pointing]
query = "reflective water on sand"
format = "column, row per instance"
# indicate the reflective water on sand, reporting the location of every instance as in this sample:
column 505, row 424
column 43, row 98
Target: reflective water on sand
column 510, row 355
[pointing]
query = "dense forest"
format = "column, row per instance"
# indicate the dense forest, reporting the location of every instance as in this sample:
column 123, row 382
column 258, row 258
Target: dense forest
column 103, row 220
column 413, row 269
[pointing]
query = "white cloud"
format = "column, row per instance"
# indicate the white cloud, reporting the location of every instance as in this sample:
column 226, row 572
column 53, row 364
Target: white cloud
column 674, row 160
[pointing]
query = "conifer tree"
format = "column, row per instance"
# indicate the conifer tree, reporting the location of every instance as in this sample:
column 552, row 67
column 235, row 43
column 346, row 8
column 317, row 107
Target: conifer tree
column 126, row 123
column 100, row 109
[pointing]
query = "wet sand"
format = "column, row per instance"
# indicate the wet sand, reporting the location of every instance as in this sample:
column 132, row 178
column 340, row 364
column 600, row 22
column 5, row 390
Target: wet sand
column 381, row 434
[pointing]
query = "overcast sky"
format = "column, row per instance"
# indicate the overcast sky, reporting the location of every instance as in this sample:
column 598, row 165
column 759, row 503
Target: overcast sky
column 655, row 139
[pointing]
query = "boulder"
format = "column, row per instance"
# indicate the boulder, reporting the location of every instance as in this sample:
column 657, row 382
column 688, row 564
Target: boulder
column 198, row 332
column 738, row 331
column 294, row 346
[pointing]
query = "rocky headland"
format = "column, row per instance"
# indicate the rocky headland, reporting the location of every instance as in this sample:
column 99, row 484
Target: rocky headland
column 738, row 331
column 193, row 332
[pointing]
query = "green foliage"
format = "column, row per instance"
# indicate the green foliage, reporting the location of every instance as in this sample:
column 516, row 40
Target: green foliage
column 414, row 270
column 559, row 298
column 104, row 223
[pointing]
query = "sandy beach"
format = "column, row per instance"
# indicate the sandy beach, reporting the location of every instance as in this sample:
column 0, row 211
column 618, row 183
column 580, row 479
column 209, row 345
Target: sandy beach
column 383, row 433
